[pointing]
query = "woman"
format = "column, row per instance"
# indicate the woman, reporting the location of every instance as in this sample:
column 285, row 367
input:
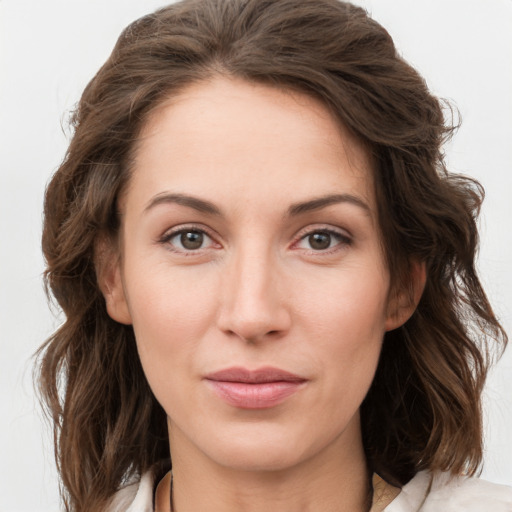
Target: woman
column 267, row 274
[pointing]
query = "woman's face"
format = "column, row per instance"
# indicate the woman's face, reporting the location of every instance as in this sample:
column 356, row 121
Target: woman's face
column 252, row 272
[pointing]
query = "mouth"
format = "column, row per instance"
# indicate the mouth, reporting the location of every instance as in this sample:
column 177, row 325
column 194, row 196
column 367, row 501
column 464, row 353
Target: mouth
column 254, row 389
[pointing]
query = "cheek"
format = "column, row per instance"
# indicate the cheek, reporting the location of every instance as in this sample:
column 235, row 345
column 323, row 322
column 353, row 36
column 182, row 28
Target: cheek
column 164, row 299
column 344, row 317
column 348, row 303
column 171, row 312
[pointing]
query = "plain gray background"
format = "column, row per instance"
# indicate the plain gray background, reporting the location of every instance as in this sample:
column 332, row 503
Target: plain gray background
column 50, row 49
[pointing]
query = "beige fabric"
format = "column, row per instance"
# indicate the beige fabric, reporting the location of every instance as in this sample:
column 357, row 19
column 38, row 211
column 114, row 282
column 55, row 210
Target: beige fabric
column 162, row 493
column 383, row 494
column 426, row 492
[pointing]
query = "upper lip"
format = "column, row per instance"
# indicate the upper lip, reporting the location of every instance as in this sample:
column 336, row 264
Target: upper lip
column 258, row 376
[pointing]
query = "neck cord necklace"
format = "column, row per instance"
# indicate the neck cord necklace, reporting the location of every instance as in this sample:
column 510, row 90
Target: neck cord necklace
column 172, row 493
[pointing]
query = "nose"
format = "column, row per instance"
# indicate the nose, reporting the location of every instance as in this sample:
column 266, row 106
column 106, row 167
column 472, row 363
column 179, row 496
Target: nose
column 253, row 298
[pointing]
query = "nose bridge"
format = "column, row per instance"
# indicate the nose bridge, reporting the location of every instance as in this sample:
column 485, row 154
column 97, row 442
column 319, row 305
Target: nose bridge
column 252, row 304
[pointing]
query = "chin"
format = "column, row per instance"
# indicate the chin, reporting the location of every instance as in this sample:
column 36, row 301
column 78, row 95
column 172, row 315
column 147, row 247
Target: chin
column 263, row 449
column 258, row 458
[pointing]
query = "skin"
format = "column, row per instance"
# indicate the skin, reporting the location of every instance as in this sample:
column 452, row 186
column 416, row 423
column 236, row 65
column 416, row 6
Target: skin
column 257, row 292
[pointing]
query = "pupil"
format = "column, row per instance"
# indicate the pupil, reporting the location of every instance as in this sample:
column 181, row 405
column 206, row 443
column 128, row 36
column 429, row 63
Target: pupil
column 320, row 241
column 192, row 240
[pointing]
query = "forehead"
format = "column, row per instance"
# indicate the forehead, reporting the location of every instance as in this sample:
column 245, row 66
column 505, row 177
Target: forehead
column 228, row 136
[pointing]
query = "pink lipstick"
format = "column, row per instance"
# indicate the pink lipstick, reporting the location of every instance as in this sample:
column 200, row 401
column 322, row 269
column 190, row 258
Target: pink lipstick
column 254, row 389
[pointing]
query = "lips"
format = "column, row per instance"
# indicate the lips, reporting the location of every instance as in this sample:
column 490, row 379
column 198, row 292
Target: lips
column 254, row 389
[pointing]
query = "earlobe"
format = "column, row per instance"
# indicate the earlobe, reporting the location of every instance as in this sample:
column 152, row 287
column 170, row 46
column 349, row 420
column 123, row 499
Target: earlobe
column 115, row 298
column 110, row 282
column 402, row 306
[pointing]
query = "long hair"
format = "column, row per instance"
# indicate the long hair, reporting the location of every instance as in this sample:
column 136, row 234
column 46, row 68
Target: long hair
column 423, row 409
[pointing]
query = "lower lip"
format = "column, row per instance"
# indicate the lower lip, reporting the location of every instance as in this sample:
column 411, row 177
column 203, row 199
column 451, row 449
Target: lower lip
column 255, row 396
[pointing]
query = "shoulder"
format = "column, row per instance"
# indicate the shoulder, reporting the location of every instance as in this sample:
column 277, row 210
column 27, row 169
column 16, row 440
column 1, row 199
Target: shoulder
column 467, row 494
column 428, row 492
column 135, row 497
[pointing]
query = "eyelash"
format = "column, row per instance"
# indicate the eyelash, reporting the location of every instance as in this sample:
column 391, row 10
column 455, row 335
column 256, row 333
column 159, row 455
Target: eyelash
column 344, row 240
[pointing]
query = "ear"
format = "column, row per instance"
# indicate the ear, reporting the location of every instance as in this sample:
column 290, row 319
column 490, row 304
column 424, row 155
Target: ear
column 108, row 271
column 402, row 305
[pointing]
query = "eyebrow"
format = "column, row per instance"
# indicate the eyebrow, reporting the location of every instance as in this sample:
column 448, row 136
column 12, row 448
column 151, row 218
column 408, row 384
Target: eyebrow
column 324, row 201
column 294, row 210
column 200, row 205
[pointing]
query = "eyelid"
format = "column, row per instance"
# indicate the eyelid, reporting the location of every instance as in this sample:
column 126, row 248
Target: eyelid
column 329, row 228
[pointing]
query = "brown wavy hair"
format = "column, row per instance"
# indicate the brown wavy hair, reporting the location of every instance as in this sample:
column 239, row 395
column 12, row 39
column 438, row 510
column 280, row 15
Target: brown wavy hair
column 423, row 410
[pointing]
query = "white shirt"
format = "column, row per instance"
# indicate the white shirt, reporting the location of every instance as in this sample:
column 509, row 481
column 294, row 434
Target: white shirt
column 424, row 493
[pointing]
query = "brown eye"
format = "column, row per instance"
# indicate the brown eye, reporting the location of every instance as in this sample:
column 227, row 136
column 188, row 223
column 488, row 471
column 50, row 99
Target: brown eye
column 319, row 241
column 191, row 240
column 323, row 240
column 188, row 240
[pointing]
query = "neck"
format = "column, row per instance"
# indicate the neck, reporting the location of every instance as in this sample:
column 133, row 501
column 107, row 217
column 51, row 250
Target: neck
column 335, row 479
